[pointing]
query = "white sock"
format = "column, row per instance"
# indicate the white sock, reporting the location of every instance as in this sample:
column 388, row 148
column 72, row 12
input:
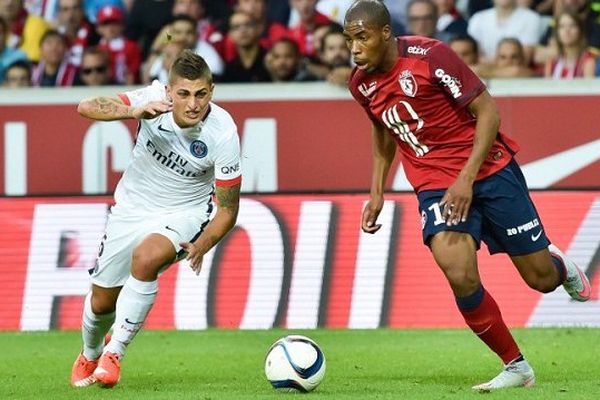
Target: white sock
column 133, row 305
column 93, row 329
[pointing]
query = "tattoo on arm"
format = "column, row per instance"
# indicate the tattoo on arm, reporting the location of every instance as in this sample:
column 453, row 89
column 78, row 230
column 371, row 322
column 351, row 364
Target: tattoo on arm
column 228, row 197
column 111, row 107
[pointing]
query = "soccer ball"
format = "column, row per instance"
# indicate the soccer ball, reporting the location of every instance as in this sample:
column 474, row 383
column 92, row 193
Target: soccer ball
column 295, row 363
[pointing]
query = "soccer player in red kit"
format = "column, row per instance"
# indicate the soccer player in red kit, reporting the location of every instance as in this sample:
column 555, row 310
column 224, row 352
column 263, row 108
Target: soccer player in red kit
column 425, row 102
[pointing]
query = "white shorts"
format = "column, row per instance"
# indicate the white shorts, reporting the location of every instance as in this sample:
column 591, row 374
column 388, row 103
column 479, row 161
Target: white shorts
column 123, row 234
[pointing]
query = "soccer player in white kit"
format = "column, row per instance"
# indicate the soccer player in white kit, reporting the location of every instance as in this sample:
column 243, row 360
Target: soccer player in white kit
column 186, row 151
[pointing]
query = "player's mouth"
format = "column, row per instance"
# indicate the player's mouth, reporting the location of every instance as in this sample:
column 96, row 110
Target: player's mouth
column 360, row 64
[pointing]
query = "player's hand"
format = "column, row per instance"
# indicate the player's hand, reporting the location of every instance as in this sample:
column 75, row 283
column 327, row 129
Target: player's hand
column 370, row 214
column 194, row 255
column 456, row 202
column 152, row 109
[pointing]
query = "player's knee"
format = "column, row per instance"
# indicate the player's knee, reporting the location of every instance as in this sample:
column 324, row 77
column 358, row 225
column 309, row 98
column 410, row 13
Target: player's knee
column 144, row 266
column 102, row 304
column 462, row 280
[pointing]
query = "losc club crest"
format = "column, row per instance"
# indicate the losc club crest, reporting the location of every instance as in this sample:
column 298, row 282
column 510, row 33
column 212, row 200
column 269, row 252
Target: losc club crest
column 408, row 83
column 198, row 148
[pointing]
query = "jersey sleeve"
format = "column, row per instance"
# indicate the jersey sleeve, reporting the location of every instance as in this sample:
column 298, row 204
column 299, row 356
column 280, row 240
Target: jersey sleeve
column 228, row 171
column 353, row 84
column 453, row 75
column 135, row 98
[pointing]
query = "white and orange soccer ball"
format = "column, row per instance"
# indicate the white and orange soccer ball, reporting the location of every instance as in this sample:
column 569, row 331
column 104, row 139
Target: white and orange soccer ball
column 295, row 363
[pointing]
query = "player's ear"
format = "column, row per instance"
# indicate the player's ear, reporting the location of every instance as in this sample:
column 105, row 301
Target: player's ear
column 386, row 32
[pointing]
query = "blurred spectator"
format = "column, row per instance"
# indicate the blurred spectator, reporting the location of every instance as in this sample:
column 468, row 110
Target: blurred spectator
column 589, row 12
column 309, row 20
column 284, row 62
column 145, row 20
column 95, row 68
column 466, row 48
column 183, row 30
column 279, row 11
column 422, row 18
column 270, row 31
column 335, row 55
column 17, row 75
column 490, row 26
column 450, row 22
column 124, row 54
column 8, row 55
column 320, row 33
column 474, row 6
column 335, row 10
column 509, row 62
column 159, row 70
column 249, row 64
column 70, row 22
column 574, row 60
column 54, row 68
column 205, row 28
column 398, row 11
column 93, row 7
column 26, row 30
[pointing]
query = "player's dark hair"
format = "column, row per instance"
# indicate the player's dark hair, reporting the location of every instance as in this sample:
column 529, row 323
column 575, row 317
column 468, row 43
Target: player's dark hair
column 190, row 65
column 20, row 64
column 372, row 11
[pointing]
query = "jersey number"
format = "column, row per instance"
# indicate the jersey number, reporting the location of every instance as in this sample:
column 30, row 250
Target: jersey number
column 405, row 130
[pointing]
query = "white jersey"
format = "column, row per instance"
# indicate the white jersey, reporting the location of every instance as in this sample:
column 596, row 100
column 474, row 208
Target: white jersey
column 174, row 169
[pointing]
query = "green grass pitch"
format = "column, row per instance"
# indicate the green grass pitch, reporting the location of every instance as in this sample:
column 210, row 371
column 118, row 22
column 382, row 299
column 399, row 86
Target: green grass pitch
column 361, row 364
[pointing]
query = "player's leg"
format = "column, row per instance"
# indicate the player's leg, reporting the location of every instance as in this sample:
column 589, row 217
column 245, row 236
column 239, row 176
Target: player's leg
column 517, row 229
column 455, row 254
column 98, row 317
column 156, row 252
column 108, row 276
column 454, row 249
column 546, row 269
column 134, row 303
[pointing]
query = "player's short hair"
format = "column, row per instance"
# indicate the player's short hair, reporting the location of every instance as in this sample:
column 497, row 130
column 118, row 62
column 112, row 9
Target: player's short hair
column 190, row 65
column 372, row 11
column 292, row 44
column 50, row 33
column 186, row 18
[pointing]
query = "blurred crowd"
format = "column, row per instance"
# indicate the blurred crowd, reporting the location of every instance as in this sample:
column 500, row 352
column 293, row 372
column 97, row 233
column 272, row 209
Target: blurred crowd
column 124, row 42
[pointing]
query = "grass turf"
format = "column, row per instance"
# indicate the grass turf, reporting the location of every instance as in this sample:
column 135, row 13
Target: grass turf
column 361, row 364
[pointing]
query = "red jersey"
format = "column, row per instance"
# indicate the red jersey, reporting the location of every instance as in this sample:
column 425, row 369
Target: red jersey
column 422, row 101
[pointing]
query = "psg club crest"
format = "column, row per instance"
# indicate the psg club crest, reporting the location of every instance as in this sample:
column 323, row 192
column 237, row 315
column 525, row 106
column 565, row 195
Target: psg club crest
column 408, row 83
column 198, row 148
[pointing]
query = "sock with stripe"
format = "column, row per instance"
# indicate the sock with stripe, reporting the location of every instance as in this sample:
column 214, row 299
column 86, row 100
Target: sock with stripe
column 482, row 315
column 133, row 305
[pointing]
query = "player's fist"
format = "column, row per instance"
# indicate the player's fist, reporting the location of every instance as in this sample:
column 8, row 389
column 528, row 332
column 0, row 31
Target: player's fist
column 370, row 213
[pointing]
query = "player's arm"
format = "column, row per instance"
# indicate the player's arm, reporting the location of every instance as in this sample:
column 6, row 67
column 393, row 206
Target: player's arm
column 457, row 200
column 113, row 108
column 384, row 151
column 228, row 203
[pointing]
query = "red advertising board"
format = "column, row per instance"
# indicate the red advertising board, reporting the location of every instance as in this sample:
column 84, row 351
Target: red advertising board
column 296, row 261
column 288, row 145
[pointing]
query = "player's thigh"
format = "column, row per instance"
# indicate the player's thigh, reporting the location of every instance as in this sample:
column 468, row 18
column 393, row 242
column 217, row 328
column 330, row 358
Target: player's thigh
column 180, row 227
column 153, row 254
column 511, row 223
column 456, row 255
column 454, row 247
column 113, row 265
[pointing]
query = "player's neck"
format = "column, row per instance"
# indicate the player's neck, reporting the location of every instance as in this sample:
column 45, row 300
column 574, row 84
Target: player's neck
column 391, row 56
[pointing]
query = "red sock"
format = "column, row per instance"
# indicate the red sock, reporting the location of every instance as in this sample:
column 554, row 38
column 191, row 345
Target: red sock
column 485, row 320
